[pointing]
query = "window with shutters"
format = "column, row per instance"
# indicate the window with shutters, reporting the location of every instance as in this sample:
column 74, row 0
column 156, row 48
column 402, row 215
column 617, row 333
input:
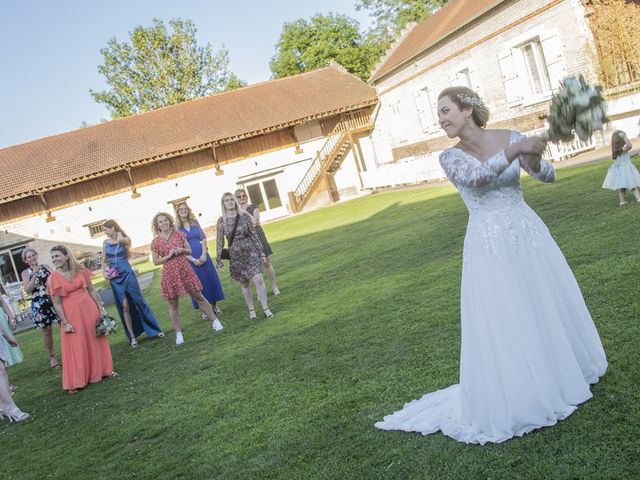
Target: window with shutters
column 532, row 67
column 535, row 68
column 423, row 100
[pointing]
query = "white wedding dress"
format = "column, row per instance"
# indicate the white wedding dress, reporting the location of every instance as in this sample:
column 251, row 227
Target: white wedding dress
column 529, row 347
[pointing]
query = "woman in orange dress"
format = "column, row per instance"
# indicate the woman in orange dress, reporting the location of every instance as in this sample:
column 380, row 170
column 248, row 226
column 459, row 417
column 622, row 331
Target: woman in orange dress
column 86, row 358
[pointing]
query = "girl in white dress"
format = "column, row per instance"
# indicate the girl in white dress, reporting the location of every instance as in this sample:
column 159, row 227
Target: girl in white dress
column 622, row 175
column 529, row 347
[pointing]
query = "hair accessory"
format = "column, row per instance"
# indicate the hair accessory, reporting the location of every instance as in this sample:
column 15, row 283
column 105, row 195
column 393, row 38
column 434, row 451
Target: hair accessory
column 469, row 100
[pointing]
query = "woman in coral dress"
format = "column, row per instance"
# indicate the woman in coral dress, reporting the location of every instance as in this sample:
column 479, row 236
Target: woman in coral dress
column 86, row 358
column 169, row 249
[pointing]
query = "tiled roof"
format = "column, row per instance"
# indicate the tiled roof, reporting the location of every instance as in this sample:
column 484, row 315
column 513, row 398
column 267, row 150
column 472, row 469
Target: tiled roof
column 228, row 116
column 453, row 16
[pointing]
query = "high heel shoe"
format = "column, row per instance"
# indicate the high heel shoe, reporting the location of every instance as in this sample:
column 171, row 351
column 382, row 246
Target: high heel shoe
column 267, row 313
column 252, row 314
column 17, row 415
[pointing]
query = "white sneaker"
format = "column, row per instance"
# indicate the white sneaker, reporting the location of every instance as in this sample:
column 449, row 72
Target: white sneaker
column 216, row 325
column 276, row 292
column 179, row 338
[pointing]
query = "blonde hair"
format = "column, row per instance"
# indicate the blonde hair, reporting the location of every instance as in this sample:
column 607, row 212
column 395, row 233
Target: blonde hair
column 154, row 222
column 464, row 97
column 26, row 252
column 224, row 210
column 191, row 218
column 72, row 263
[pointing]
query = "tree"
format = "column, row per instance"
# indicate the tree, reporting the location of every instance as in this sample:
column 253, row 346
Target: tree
column 309, row 44
column 391, row 16
column 234, row 82
column 159, row 68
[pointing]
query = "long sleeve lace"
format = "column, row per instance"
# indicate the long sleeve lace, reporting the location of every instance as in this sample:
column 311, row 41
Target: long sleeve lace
column 466, row 171
column 219, row 238
column 546, row 174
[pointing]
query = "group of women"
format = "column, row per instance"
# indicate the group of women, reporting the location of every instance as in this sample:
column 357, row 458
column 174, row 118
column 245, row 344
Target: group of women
column 529, row 349
column 65, row 294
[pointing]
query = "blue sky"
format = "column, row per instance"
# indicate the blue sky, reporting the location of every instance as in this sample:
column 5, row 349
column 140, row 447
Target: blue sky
column 50, row 50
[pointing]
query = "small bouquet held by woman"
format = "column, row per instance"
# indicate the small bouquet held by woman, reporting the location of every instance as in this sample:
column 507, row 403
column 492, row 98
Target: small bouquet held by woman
column 577, row 109
column 106, row 325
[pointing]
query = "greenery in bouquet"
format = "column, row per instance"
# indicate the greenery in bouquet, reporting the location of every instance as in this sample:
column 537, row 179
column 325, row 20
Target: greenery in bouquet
column 106, row 325
column 578, row 108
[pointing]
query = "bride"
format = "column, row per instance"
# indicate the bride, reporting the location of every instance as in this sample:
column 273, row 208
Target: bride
column 529, row 347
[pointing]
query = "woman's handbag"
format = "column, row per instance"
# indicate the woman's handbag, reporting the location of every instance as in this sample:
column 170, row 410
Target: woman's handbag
column 112, row 272
column 224, row 253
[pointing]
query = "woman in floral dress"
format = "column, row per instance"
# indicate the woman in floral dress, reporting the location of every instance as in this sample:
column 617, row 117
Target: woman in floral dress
column 169, row 249
column 246, row 255
column 243, row 204
column 34, row 281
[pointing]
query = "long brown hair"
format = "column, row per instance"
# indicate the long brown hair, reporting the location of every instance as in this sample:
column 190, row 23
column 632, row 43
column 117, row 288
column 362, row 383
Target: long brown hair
column 464, row 97
column 113, row 224
column 617, row 142
column 191, row 218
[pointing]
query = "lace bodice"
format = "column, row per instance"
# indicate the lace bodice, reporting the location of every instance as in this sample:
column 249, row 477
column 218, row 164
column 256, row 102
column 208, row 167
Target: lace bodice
column 492, row 184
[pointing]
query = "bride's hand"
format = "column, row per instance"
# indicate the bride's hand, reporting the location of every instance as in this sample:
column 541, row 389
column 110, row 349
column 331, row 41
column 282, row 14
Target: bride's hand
column 531, row 146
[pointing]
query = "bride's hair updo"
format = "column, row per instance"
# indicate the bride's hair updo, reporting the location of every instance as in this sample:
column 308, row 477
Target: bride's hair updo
column 465, row 97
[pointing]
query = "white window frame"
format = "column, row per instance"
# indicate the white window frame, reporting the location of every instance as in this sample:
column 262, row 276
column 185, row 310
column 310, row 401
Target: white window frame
column 427, row 116
column 549, row 63
column 263, row 192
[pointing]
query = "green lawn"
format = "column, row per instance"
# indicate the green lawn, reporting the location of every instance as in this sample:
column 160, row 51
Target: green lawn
column 368, row 320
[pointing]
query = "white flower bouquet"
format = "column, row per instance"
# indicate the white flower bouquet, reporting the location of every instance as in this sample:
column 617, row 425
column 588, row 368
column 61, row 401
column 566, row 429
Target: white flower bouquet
column 578, row 108
column 105, row 325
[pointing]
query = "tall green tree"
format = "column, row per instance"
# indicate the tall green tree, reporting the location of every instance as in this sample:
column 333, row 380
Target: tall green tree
column 308, row 44
column 159, row 68
column 391, row 16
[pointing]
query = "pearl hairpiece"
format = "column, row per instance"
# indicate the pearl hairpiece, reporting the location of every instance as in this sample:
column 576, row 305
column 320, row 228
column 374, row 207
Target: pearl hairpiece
column 469, row 100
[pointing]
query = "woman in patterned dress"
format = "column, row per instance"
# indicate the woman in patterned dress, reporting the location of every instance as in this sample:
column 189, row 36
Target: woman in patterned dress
column 246, row 254
column 243, row 203
column 169, row 249
column 34, row 280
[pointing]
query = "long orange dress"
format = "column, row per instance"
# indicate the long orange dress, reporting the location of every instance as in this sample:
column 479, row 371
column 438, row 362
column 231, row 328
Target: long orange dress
column 85, row 357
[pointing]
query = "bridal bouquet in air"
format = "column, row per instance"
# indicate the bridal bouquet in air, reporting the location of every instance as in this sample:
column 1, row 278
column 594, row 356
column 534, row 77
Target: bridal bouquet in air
column 105, row 325
column 578, row 108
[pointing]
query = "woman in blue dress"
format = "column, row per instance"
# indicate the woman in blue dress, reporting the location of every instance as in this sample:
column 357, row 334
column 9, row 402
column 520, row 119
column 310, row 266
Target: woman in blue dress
column 133, row 309
column 199, row 259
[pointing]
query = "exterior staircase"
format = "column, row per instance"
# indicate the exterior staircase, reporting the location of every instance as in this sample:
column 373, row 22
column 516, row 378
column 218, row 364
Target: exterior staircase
column 329, row 158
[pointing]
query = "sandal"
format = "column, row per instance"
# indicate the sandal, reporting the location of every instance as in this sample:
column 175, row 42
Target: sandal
column 133, row 342
column 68, row 328
column 17, row 415
column 73, row 391
column 252, row 314
column 53, row 362
column 267, row 313
column 113, row 375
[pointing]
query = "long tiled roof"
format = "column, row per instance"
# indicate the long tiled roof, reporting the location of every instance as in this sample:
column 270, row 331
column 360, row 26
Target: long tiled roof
column 73, row 156
column 453, row 16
